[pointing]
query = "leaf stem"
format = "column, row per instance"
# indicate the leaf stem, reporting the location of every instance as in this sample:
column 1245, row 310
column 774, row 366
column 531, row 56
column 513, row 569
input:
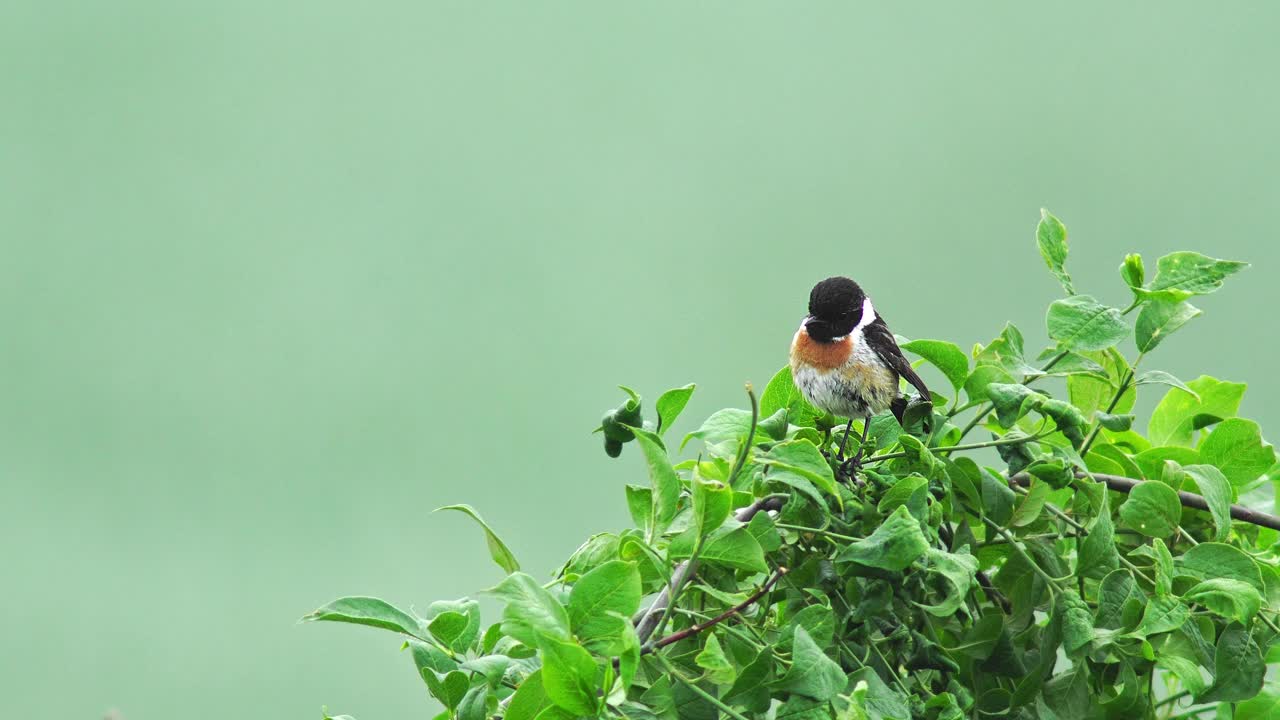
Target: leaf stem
column 1172, row 699
column 679, row 676
column 816, row 531
column 971, row 446
column 745, row 450
column 1129, row 376
column 1052, row 581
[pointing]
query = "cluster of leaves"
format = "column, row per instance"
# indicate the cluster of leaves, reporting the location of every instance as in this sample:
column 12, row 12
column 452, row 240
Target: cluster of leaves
column 1064, row 566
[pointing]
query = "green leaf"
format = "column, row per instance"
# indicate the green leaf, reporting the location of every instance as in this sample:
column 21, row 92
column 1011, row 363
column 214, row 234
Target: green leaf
column 1263, row 706
column 1238, row 668
column 982, row 377
column 498, row 550
column 1051, row 236
column 1090, row 393
column 817, row 620
column 569, row 676
column 1070, row 363
column 640, row 505
column 1098, row 555
column 1174, row 419
column 712, row 659
column 666, row 485
column 1012, row 401
column 1151, row 461
column 1179, row 657
column 945, row 356
column 1068, row 419
column 1163, row 568
column 712, row 503
column 531, row 611
column 450, row 629
column 1180, row 275
column 732, row 547
column 1163, row 614
column 882, row 702
column 474, row 703
column 802, row 708
column 1119, row 601
column 750, row 691
column 1210, row 560
column 1235, row 447
column 782, row 394
column 812, row 673
column 1028, row 507
column 1216, row 490
column 440, row 672
column 529, row 700
column 613, row 587
column 1231, row 599
column 492, row 667
column 1081, row 323
column 997, row 499
column 763, row 529
column 1160, row 377
column 1132, row 272
column 1006, row 351
column 802, row 458
column 957, row 571
column 774, row 427
column 1158, row 319
column 893, row 546
column 670, row 404
column 728, row 424
column 1152, row 509
column 911, row 491
column 1114, row 423
column 1077, row 621
column 368, row 611
column 628, row 652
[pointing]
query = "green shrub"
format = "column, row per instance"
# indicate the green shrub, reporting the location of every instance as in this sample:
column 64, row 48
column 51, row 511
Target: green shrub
column 1067, row 566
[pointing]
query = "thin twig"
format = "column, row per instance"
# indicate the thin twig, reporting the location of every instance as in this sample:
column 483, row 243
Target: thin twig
column 695, row 629
column 648, row 621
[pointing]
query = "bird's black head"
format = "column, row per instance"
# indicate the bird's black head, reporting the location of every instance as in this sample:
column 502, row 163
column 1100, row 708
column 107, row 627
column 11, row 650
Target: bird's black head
column 835, row 307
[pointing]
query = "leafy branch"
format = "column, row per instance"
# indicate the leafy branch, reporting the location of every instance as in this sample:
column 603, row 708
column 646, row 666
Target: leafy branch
column 946, row 583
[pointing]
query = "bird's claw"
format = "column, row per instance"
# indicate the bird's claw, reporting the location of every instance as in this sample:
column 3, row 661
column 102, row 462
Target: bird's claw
column 850, row 466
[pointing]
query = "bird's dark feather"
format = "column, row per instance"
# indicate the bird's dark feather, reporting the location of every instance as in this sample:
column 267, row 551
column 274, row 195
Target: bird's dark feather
column 880, row 338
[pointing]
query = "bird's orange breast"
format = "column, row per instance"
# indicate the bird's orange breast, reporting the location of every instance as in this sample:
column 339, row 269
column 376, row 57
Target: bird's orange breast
column 820, row 355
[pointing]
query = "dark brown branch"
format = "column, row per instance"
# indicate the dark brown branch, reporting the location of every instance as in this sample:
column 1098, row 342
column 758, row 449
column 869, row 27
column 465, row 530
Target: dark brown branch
column 647, row 621
column 695, row 629
column 1191, row 500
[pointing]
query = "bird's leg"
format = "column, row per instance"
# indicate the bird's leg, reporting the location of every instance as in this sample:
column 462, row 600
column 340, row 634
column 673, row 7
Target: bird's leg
column 848, row 467
column 844, row 440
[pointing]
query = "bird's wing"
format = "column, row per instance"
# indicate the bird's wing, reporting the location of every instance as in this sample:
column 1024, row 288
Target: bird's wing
column 880, row 338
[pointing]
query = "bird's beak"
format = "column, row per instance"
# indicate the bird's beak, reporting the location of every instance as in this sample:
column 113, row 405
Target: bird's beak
column 808, row 320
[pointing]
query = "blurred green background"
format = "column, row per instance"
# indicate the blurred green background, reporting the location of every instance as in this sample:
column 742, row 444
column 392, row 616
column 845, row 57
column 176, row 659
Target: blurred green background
column 279, row 278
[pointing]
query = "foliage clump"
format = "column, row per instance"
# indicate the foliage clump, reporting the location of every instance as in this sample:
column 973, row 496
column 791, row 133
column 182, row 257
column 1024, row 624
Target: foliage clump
column 1064, row 565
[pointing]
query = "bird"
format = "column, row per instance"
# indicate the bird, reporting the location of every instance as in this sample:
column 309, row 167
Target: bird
column 845, row 360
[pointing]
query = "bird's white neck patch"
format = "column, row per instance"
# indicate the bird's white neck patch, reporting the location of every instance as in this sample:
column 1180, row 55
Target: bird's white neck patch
column 868, row 314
